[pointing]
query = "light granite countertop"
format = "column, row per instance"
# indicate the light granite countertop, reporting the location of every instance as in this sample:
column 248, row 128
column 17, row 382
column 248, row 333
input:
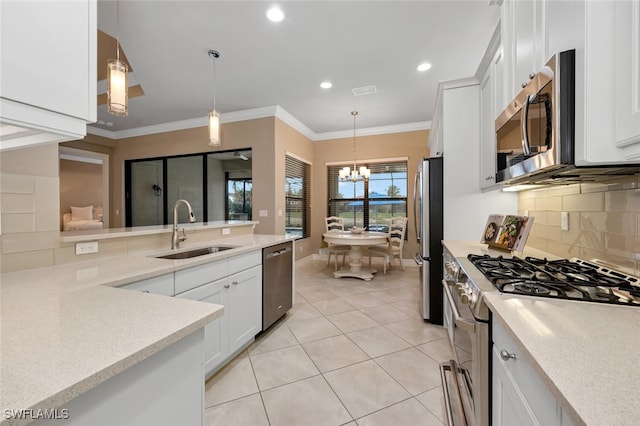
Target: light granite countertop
column 586, row 353
column 65, row 329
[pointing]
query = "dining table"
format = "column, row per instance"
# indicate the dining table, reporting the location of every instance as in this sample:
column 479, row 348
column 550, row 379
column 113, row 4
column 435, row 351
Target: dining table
column 356, row 241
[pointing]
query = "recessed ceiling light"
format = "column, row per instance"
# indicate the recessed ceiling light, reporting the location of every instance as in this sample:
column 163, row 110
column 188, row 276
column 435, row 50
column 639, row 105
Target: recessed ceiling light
column 275, row 14
column 326, row 85
column 425, row 66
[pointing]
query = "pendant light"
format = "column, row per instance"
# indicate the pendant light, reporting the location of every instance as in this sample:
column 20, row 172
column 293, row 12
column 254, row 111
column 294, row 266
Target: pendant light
column 214, row 115
column 355, row 174
column 117, row 81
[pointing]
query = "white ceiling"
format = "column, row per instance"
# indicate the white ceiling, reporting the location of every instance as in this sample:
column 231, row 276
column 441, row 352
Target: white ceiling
column 350, row 43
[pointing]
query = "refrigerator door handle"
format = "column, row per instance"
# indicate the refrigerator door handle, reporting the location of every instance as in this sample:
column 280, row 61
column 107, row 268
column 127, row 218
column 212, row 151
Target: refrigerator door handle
column 416, row 206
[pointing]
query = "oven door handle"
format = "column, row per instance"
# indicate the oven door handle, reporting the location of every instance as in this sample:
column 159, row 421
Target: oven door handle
column 464, row 324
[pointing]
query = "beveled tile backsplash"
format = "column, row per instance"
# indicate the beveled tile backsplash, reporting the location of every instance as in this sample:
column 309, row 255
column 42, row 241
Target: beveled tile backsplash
column 604, row 221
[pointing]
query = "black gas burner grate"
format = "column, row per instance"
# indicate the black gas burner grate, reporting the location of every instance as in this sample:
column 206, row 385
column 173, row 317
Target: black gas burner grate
column 564, row 279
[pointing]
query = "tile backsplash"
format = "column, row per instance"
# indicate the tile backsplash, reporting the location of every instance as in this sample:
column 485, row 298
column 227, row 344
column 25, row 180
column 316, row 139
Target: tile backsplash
column 604, row 221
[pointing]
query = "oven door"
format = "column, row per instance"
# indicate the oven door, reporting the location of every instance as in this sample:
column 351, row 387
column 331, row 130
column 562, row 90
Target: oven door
column 457, row 374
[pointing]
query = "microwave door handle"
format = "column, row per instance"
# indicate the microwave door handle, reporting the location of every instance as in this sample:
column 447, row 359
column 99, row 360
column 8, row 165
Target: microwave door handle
column 526, row 147
column 415, row 205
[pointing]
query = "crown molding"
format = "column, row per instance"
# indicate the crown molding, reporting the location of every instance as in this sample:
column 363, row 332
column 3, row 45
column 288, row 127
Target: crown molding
column 379, row 130
column 253, row 114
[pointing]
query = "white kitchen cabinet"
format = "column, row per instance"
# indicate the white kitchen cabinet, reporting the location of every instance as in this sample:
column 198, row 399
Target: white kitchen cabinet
column 163, row 389
column 156, row 285
column 241, row 295
column 48, row 73
column 435, row 142
column 490, row 106
column 519, row 397
column 627, row 78
column 523, row 37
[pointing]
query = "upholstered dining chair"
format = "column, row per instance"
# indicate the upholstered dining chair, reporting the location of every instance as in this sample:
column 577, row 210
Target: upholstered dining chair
column 395, row 243
column 335, row 224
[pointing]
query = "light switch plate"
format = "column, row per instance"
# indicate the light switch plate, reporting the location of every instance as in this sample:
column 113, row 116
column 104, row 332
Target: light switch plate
column 264, row 213
column 86, row 248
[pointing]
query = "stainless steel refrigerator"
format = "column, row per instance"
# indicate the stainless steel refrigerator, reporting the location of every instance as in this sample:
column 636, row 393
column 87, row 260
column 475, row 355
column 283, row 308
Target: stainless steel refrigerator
column 428, row 216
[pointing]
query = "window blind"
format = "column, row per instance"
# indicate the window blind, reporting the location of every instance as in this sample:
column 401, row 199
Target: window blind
column 297, row 195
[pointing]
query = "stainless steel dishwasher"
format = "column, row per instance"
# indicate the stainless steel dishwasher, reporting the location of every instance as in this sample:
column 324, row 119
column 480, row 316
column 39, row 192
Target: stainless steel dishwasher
column 277, row 282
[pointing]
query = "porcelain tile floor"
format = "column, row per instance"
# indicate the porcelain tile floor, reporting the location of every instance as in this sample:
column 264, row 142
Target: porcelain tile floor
column 350, row 352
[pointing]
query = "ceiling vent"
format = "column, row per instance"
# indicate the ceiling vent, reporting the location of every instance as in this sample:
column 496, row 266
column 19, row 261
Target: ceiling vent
column 364, row 90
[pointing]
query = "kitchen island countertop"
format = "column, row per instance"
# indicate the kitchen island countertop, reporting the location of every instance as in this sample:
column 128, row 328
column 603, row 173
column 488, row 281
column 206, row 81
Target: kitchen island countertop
column 65, row 330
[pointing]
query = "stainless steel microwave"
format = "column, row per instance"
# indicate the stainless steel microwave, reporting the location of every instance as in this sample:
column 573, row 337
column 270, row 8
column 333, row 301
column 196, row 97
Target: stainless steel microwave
column 535, row 133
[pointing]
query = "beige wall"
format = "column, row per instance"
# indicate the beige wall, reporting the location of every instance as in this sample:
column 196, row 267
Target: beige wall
column 80, row 185
column 604, row 221
column 407, row 144
column 255, row 134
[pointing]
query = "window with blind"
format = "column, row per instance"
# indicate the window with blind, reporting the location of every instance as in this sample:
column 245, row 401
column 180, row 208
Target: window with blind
column 369, row 203
column 297, row 196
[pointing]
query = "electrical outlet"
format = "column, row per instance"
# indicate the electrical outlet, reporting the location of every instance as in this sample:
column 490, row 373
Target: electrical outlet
column 279, row 213
column 86, row 248
column 264, row 213
column 564, row 221
column 226, row 231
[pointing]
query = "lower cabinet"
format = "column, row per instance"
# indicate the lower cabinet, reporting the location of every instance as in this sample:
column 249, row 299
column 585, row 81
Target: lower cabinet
column 519, row 397
column 241, row 296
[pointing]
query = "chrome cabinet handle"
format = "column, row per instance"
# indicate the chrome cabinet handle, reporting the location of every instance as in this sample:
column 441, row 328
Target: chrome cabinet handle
column 531, row 75
column 506, row 356
column 524, row 84
column 227, row 286
column 489, row 178
column 146, row 291
column 235, row 283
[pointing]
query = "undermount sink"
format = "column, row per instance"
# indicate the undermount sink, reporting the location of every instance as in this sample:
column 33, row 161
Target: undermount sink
column 195, row 252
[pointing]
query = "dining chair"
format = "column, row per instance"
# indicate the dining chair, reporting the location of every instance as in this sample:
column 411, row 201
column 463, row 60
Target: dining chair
column 335, row 224
column 395, row 243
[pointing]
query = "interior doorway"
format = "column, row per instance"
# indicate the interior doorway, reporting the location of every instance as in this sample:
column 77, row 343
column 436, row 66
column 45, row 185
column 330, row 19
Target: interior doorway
column 84, row 181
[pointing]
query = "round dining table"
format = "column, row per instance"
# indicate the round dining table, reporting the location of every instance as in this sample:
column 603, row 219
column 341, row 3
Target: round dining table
column 356, row 242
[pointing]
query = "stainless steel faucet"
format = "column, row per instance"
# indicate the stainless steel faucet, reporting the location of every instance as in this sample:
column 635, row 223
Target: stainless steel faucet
column 175, row 239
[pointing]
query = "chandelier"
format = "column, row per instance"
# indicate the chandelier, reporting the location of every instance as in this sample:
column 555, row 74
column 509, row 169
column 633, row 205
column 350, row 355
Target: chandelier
column 354, row 175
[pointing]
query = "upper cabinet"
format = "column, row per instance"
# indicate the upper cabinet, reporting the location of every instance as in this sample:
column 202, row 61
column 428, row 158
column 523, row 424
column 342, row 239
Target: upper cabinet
column 48, row 71
column 523, row 39
column 605, row 35
column 627, row 78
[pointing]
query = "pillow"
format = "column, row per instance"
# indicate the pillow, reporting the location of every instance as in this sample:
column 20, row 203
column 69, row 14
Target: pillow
column 81, row 213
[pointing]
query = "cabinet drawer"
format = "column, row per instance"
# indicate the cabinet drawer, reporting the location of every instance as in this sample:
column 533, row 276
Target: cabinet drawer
column 156, row 285
column 526, row 380
column 244, row 261
column 191, row 278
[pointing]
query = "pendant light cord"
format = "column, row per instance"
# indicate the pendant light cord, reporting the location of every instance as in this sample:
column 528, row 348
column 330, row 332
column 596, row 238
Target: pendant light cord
column 118, row 31
column 354, row 113
column 214, row 83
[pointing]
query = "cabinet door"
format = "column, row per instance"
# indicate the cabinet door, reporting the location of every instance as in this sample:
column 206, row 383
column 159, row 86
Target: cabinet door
column 47, row 55
column 627, row 36
column 508, row 405
column 245, row 303
column 487, row 132
column 216, row 337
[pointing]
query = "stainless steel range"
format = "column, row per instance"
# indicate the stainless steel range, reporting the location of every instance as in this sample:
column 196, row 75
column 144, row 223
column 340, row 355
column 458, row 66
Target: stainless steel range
column 573, row 279
column 467, row 279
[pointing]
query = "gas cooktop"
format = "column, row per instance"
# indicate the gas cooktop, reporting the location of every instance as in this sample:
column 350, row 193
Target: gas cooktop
column 573, row 279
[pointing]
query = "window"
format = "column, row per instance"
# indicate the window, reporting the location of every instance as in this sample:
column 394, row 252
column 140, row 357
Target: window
column 297, row 183
column 369, row 203
column 238, row 198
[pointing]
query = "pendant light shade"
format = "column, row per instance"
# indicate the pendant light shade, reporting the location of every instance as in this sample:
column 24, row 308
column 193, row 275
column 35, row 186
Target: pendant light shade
column 214, row 115
column 117, row 80
column 214, row 128
column 117, row 88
